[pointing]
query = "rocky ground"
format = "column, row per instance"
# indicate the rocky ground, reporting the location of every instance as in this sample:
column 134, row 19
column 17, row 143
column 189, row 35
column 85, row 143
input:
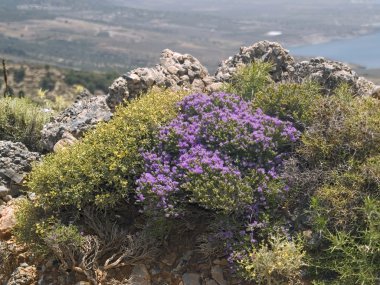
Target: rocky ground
column 180, row 262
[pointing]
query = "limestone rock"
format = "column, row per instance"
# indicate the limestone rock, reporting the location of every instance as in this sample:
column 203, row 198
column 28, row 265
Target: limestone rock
column 67, row 140
column 330, row 74
column 7, row 221
column 174, row 71
column 15, row 163
column 217, row 275
column 117, row 92
column 210, row 282
column 4, row 191
column 77, row 119
column 191, row 279
column 376, row 92
column 140, row 275
column 264, row 51
column 24, row 275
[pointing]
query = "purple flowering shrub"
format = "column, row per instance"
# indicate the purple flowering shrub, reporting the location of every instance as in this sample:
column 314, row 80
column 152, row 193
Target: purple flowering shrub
column 217, row 153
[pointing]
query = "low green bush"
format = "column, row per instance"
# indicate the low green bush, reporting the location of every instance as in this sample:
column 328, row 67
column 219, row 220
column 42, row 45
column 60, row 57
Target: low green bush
column 249, row 79
column 276, row 261
column 22, row 121
column 101, row 169
column 344, row 128
column 355, row 257
column 288, row 101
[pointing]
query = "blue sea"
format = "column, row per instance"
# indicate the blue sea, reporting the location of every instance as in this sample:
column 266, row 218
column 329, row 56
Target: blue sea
column 364, row 50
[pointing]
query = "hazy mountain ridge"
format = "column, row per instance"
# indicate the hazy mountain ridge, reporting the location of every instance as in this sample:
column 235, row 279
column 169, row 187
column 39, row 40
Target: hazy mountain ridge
column 121, row 35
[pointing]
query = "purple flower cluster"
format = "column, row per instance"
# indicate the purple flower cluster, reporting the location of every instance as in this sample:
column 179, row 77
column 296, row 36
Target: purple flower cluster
column 217, row 152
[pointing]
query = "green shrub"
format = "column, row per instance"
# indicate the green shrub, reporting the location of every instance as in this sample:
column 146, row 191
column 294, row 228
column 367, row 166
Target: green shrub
column 356, row 257
column 288, row 101
column 101, row 169
column 276, row 261
column 344, row 128
column 249, row 79
column 21, row 121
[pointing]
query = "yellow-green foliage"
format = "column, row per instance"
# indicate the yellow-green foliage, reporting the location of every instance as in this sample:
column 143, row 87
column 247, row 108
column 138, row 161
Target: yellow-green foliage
column 21, row 121
column 28, row 215
column 356, row 257
column 101, row 169
column 249, row 79
column 344, row 128
column 288, row 101
column 278, row 261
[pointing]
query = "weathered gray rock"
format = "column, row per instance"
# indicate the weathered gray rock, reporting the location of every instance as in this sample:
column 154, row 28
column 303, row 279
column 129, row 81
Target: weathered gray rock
column 175, row 71
column 7, row 220
column 217, row 275
column 264, row 51
column 23, row 275
column 15, row 163
column 4, row 191
column 376, row 92
column 67, row 140
column 140, row 275
column 77, row 119
column 191, row 279
column 330, row 74
column 210, row 282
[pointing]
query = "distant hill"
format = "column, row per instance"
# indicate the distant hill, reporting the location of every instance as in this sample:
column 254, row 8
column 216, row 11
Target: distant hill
column 124, row 34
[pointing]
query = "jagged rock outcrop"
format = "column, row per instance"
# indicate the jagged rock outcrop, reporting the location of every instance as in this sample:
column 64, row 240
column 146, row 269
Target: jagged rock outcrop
column 15, row 163
column 174, row 71
column 330, row 74
column 283, row 63
column 77, row 119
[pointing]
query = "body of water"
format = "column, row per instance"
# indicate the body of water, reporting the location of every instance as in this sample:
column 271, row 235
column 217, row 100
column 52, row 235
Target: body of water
column 364, row 50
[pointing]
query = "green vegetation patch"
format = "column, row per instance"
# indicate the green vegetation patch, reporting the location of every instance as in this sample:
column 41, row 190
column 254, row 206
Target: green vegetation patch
column 22, row 121
column 102, row 167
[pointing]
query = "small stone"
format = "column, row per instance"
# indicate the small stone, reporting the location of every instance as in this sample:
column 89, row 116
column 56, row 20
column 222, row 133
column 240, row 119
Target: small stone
column 222, row 262
column 24, row 276
column 169, row 259
column 134, row 78
column 217, row 275
column 7, row 221
column 197, row 85
column 173, row 70
column 214, row 87
column 140, row 275
column 191, row 279
column 4, row 191
column 7, row 198
column 67, row 140
column 376, row 92
column 210, row 282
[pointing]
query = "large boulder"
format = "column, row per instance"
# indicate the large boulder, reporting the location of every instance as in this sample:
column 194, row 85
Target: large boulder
column 76, row 120
column 262, row 51
column 330, row 74
column 15, row 162
column 174, row 71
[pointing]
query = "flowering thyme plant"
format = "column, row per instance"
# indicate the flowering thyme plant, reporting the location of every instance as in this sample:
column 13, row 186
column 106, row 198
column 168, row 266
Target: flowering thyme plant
column 217, row 153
